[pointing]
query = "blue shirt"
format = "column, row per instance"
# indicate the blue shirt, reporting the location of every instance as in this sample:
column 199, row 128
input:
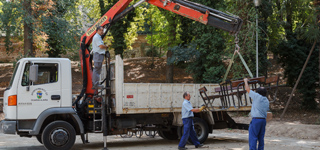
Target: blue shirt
column 260, row 105
column 186, row 109
column 96, row 42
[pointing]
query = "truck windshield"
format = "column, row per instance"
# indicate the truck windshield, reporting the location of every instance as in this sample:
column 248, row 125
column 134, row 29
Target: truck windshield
column 14, row 74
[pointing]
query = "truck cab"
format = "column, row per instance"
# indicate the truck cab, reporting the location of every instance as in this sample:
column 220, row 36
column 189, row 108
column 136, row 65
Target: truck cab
column 40, row 91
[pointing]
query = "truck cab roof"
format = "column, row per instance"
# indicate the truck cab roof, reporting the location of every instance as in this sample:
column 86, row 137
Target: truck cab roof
column 45, row 59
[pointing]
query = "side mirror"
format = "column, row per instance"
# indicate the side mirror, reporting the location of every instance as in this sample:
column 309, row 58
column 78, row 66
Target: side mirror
column 33, row 73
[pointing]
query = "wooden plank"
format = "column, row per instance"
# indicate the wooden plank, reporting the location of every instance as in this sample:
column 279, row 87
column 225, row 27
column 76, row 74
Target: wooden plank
column 273, row 79
column 229, row 88
column 236, row 83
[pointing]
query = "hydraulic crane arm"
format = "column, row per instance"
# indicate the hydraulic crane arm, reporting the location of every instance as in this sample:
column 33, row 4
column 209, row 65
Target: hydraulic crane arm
column 201, row 13
column 195, row 11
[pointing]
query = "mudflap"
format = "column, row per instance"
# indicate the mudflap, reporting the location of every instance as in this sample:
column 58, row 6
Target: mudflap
column 83, row 139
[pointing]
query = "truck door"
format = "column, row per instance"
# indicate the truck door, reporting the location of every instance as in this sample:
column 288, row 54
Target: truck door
column 43, row 94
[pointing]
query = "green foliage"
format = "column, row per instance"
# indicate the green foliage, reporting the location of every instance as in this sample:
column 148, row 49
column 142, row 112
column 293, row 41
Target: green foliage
column 263, row 15
column 119, row 29
column 246, row 11
column 10, row 22
column 184, row 53
column 203, row 49
column 152, row 52
column 62, row 35
column 208, row 67
column 298, row 24
column 53, row 25
column 293, row 54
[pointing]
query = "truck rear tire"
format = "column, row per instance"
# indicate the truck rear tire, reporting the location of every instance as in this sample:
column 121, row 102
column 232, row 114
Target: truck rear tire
column 201, row 128
column 58, row 135
column 169, row 135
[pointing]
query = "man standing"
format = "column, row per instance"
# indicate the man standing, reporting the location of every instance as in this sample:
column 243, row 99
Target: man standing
column 259, row 108
column 187, row 118
column 98, row 50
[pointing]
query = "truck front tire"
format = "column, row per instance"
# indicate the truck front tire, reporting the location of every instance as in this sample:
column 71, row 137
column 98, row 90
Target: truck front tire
column 58, row 135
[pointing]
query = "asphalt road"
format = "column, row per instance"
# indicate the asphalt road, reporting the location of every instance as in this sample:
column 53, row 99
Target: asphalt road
column 219, row 140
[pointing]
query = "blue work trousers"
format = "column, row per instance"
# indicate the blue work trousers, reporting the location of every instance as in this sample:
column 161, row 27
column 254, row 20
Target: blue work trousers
column 188, row 131
column 257, row 130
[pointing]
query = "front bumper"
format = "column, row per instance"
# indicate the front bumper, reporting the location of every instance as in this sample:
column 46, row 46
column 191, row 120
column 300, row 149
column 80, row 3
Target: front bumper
column 8, row 127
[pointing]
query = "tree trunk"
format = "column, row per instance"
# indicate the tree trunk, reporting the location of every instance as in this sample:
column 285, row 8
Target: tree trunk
column 317, row 5
column 172, row 37
column 288, row 25
column 169, row 69
column 28, row 40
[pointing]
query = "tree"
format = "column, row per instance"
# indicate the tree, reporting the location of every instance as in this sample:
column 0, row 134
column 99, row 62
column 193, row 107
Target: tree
column 317, row 6
column 165, row 27
column 298, row 22
column 172, row 33
column 10, row 22
column 244, row 9
column 118, row 29
column 203, row 47
column 62, row 35
column 27, row 25
column 44, row 23
column 264, row 11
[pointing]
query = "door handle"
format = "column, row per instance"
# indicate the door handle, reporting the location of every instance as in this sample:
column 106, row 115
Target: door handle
column 55, row 97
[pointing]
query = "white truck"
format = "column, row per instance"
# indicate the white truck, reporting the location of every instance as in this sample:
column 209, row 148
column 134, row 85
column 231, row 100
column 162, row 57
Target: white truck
column 38, row 102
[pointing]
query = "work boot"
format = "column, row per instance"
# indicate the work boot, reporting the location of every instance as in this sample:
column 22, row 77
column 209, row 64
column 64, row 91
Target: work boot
column 201, row 146
column 182, row 148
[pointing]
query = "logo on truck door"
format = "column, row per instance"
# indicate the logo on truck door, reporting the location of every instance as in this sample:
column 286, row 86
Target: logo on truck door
column 40, row 92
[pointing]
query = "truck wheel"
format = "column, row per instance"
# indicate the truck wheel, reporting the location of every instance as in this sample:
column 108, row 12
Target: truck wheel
column 201, row 128
column 58, row 135
column 39, row 138
column 169, row 135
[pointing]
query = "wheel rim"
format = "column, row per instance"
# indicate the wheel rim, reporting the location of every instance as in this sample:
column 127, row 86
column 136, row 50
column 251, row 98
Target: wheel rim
column 59, row 137
column 199, row 130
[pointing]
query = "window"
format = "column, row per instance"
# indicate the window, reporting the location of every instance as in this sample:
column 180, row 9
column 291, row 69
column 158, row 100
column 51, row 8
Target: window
column 47, row 73
column 14, row 74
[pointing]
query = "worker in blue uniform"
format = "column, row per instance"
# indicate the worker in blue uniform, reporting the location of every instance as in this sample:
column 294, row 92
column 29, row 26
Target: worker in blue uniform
column 259, row 108
column 188, row 126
